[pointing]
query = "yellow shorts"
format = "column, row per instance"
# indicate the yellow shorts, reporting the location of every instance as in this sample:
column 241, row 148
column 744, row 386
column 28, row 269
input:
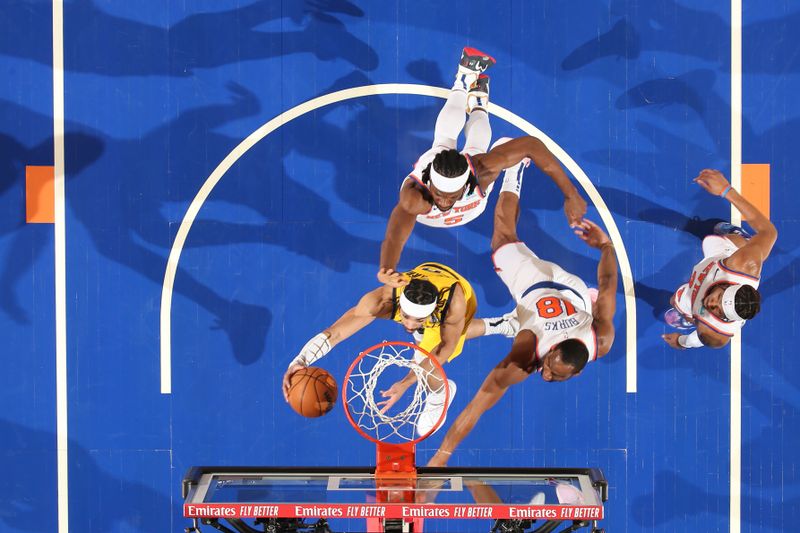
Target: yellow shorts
column 431, row 337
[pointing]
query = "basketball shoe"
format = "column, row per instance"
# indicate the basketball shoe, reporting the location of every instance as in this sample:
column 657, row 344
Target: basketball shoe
column 726, row 228
column 473, row 63
column 506, row 325
column 674, row 318
column 478, row 95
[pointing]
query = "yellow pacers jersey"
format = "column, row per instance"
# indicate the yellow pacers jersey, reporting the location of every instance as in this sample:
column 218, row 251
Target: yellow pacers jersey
column 445, row 279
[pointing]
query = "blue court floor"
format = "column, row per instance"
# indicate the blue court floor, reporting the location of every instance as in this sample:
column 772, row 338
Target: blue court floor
column 158, row 94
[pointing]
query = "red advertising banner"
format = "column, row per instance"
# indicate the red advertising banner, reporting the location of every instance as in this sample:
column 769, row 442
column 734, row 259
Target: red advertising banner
column 392, row 510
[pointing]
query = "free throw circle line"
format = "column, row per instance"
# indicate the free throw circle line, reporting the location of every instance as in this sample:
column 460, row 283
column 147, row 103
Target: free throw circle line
column 202, row 195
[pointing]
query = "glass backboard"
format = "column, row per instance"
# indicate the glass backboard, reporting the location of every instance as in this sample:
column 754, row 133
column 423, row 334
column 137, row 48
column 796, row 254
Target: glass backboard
column 252, row 498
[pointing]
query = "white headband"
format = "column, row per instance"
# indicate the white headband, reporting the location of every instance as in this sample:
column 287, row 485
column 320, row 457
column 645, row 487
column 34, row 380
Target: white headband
column 445, row 184
column 416, row 310
column 729, row 303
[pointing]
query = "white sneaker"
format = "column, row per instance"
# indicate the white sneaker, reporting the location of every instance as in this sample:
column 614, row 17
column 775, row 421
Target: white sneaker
column 506, row 325
column 434, row 404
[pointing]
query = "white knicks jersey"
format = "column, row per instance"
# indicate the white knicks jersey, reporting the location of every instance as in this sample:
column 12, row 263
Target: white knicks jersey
column 465, row 210
column 555, row 314
column 707, row 274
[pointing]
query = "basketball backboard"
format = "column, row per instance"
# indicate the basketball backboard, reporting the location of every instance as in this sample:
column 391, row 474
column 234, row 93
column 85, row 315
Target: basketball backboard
column 334, row 499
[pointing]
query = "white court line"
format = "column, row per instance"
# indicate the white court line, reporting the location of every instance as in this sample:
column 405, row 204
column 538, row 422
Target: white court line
column 369, row 90
column 60, row 275
column 736, row 218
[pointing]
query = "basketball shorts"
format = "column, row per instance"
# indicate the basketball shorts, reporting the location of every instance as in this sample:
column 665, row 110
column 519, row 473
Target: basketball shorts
column 520, row 269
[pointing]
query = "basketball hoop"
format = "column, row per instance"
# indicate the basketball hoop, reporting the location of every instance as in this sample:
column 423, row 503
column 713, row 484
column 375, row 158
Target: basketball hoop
column 394, row 434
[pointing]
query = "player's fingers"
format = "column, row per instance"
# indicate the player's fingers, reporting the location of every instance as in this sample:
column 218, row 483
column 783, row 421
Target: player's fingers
column 589, row 224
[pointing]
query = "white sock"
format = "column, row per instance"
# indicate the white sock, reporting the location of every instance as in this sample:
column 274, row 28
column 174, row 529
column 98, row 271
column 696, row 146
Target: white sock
column 498, row 328
column 512, row 177
column 464, row 81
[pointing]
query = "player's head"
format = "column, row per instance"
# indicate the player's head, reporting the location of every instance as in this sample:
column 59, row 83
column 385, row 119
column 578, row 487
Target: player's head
column 417, row 302
column 447, row 176
column 732, row 302
column 564, row 360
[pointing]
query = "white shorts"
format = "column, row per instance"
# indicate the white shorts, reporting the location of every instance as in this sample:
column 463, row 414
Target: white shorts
column 717, row 245
column 520, row 269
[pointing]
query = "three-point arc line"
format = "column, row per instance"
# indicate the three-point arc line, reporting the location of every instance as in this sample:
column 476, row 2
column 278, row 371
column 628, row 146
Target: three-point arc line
column 372, row 90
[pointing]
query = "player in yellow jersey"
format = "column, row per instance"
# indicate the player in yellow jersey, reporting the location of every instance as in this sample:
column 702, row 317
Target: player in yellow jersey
column 437, row 306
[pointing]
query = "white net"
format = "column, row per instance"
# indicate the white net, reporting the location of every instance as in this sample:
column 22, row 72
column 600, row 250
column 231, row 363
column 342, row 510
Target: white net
column 362, row 393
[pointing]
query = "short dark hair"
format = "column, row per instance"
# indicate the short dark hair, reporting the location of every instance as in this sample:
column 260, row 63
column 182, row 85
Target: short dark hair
column 747, row 302
column 573, row 353
column 421, row 292
column 450, row 163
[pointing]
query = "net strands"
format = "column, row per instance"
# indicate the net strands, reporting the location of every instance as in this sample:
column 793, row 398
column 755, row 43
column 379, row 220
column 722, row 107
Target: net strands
column 362, row 386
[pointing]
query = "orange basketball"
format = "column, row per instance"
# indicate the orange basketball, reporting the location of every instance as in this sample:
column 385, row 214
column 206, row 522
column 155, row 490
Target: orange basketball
column 312, row 391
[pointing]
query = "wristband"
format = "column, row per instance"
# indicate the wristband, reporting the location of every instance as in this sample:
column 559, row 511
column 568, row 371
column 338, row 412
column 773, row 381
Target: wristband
column 726, row 191
column 690, row 341
column 609, row 243
column 313, row 351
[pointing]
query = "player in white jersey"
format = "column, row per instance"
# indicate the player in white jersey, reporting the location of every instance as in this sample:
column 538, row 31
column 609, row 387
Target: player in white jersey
column 561, row 329
column 722, row 291
column 449, row 188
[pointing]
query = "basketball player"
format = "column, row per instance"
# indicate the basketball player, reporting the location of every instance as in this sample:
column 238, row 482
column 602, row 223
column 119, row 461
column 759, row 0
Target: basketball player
column 439, row 303
column 451, row 188
column 721, row 294
column 561, row 328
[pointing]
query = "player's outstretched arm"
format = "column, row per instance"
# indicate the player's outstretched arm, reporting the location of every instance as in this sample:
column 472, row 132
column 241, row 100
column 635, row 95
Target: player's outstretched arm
column 452, row 327
column 509, row 154
column 398, row 229
column 450, row 333
column 750, row 257
column 606, row 304
column 516, row 366
column 702, row 336
column 374, row 304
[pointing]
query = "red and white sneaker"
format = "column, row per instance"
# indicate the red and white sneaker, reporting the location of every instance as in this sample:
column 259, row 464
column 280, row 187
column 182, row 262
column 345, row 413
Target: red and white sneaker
column 478, row 95
column 473, row 61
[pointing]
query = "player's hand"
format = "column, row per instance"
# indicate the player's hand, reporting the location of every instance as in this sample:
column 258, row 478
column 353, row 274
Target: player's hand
column 387, row 276
column 672, row 340
column 713, row 181
column 287, row 378
column 392, row 395
column 575, row 209
column 591, row 234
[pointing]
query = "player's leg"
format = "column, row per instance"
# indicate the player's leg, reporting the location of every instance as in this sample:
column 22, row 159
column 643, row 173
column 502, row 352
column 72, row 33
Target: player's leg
column 478, row 131
column 451, row 118
column 512, row 176
column 506, row 325
column 506, row 215
column 435, row 400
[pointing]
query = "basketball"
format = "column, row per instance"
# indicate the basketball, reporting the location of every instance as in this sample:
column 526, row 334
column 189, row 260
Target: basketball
column 312, row 392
